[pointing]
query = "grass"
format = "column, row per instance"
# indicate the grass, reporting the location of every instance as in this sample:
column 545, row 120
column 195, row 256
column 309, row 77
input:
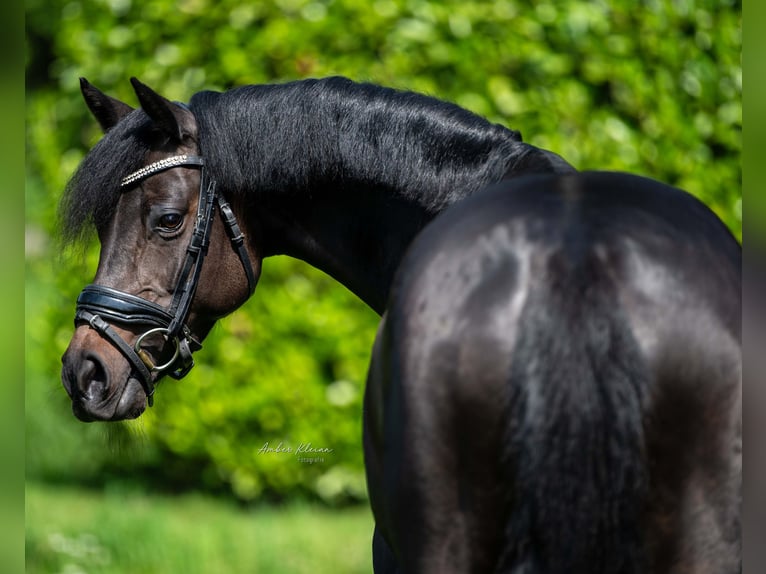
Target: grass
column 73, row 531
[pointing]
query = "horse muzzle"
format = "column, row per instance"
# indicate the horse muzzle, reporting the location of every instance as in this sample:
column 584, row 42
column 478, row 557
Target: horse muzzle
column 99, row 382
column 100, row 307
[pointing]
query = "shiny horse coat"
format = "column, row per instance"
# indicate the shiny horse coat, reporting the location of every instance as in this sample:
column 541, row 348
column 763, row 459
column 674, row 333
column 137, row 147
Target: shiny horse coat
column 556, row 386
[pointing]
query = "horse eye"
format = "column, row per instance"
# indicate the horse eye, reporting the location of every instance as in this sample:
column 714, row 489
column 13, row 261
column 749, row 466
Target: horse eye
column 170, row 220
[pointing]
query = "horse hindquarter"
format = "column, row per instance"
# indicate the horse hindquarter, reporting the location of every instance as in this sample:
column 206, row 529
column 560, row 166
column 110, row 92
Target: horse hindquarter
column 516, row 405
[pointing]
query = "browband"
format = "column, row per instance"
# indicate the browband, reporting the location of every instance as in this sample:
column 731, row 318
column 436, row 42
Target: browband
column 161, row 165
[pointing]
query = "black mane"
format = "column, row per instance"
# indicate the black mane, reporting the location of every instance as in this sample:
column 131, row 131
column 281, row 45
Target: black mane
column 332, row 132
column 276, row 138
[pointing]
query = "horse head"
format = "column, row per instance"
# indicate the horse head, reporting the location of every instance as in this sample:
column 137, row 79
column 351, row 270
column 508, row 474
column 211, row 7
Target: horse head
column 152, row 301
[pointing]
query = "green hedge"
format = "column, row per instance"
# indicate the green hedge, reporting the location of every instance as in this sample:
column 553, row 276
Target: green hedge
column 650, row 87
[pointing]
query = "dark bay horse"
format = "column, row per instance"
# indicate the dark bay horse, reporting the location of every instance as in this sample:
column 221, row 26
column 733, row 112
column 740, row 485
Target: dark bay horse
column 556, row 382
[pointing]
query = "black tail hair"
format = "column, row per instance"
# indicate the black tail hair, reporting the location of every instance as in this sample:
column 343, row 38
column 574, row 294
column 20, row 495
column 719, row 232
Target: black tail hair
column 576, row 455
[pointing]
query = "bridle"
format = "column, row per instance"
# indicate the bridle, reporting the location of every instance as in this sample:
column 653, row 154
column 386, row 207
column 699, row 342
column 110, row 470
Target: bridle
column 97, row 304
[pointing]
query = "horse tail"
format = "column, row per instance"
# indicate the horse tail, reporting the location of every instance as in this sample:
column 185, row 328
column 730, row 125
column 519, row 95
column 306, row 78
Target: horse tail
column 575, row 438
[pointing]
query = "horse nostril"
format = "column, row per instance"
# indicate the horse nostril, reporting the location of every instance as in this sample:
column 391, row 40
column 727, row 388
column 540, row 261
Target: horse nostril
column 92, row 378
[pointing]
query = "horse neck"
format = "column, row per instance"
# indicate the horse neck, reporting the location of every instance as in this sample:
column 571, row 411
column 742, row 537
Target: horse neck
column 349, row 174
column 357, row 238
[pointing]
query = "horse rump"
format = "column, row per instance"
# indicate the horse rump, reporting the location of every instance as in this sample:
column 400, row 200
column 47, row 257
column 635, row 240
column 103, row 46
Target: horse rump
column 516, row 409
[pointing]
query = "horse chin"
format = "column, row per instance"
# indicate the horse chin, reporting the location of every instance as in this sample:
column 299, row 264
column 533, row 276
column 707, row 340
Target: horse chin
column 133, row 401
column 129, row 404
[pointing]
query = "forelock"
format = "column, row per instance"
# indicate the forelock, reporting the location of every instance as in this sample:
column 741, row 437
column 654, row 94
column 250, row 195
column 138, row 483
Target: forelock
column 91, row 195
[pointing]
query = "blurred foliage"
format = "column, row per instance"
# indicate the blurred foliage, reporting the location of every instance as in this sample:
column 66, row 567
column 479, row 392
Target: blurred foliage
column 651, row 87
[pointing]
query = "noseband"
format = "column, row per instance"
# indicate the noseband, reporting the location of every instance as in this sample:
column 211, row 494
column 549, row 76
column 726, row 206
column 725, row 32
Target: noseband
column 97, row 304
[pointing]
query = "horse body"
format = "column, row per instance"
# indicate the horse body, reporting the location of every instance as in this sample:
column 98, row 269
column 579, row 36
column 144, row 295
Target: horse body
column 541, row 343
column 555, row 359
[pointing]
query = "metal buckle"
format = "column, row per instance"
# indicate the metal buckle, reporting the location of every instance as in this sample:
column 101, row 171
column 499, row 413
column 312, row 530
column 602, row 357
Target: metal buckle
column 187, row 361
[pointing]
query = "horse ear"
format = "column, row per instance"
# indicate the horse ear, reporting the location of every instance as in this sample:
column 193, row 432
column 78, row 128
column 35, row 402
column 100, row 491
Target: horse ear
column 166, row 115
column 108, row 111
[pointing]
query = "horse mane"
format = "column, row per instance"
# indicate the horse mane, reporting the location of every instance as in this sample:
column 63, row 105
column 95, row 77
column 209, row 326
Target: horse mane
column 345, row 136
column 333, row 132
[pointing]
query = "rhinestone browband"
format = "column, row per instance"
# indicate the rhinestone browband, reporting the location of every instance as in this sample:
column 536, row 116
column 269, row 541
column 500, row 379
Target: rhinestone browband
column 159, row 166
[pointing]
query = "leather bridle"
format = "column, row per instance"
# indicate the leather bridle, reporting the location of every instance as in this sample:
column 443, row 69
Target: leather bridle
column 97, row 304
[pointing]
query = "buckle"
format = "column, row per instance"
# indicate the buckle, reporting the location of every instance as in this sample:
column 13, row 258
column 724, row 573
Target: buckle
column 187, row 359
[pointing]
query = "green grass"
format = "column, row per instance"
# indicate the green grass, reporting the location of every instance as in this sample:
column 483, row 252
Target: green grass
column 72, row 531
